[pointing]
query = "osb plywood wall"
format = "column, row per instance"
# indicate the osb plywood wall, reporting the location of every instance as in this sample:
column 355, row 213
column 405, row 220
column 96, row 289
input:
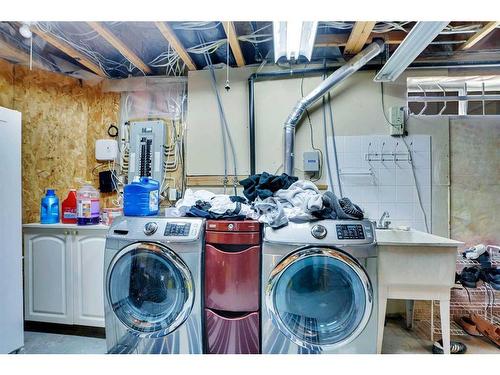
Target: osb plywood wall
column 61, row 119
column 6, row 84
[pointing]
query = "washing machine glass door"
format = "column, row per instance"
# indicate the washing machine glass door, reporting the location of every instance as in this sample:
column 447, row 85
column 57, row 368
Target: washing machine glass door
column 150, row 289
column 320, row 298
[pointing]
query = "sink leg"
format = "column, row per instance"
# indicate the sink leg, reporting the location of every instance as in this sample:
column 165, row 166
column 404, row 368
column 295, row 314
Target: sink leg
column 410, row 304
column 382, row 302
column 444, row 312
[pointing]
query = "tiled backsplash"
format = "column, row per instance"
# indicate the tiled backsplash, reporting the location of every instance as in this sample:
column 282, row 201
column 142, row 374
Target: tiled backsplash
column 385, row 181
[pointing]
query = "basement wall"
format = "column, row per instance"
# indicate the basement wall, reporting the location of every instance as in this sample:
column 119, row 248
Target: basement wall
column 61, row 119
column 471, row 201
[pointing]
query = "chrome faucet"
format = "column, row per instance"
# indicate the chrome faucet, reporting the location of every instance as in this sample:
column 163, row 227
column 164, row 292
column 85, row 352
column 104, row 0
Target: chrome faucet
column 382, row 223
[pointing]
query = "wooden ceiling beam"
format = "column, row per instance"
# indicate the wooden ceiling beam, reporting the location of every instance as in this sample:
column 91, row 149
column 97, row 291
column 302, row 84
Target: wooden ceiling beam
column 13, row 53
column 340, row 40
column 70, row 51
column 234, row 42
column 175, row 43
column 479, row 35
column 120, row 46
column 358, row 37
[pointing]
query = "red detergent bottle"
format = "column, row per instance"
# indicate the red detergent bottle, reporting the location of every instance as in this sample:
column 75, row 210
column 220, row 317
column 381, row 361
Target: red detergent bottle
column 69, row 208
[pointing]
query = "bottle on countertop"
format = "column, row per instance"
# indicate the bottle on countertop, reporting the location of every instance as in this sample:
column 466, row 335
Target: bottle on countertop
column 68, row 215
column 49, row 208
column 87, row 205
column 141, row 197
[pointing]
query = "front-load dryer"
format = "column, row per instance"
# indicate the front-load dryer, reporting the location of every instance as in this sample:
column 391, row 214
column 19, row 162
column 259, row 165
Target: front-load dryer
column 319, row 290
column 152, row 285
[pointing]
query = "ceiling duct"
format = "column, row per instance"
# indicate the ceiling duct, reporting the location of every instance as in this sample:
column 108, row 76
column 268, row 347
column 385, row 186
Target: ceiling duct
column 336, row 77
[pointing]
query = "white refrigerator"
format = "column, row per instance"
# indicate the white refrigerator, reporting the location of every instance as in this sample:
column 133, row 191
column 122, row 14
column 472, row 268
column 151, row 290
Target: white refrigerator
column 11, row 289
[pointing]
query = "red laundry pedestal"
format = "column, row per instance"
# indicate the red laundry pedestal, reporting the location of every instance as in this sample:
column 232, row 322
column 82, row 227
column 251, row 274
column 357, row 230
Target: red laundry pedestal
column 232, row 287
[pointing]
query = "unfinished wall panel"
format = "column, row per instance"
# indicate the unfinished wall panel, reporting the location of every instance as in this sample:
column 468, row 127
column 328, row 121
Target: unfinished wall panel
column 54, row 125
column 103, row 110
column 6, row 84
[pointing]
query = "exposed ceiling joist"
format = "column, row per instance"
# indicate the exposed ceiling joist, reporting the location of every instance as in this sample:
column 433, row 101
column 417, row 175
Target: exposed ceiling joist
column 481, row 34
column 234, row 43
column 358, row 37
column 120, row 46
column 340, row 40
column 175, row 43
column 70, row 51
column 12, row 53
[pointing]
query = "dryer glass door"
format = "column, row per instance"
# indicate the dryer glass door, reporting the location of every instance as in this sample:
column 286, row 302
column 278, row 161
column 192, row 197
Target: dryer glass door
column 319, row 297
column 150, row 289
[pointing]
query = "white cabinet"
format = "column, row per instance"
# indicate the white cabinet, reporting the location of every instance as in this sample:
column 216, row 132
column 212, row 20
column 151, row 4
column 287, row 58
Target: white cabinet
column 63, row 274
column 88, row 264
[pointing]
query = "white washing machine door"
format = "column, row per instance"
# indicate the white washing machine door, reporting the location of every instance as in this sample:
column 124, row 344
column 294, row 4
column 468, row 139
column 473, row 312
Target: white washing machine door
column 150, row 289
column 319, row 297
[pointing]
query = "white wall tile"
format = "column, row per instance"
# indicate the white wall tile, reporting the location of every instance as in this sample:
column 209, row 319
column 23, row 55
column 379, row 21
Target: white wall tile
column 393, row 188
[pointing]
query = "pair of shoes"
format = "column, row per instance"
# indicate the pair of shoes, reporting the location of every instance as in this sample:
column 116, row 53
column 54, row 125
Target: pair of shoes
column 491, row 276
column 474, row 252
column 487, row 329
column 455, row 347
column 466, row 323
column 470, row 276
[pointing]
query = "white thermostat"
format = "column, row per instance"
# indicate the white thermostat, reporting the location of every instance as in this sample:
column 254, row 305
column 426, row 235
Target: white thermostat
column 106, row 149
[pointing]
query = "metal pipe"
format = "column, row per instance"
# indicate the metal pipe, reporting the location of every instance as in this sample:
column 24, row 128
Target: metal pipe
column 336, row 77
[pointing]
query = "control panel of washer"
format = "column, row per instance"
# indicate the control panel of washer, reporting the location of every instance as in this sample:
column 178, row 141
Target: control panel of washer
column 177, row 229
column 350, row 232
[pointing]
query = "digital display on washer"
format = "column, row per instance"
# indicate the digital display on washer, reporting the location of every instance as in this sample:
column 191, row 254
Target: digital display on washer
column 177, row 229
column 350, row 232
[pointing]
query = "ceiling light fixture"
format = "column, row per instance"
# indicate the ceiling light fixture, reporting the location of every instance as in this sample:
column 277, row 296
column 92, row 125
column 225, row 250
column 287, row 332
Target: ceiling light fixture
column 25, row 31
column 419, row 37
column 293, row 39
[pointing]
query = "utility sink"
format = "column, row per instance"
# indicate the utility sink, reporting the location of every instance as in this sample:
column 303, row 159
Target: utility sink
column 412, row 238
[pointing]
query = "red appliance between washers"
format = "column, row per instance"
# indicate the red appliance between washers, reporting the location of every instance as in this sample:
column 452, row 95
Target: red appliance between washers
column 232, row 286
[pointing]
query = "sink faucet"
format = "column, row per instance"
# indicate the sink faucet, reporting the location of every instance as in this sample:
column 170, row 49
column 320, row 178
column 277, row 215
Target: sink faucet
column 382, row 223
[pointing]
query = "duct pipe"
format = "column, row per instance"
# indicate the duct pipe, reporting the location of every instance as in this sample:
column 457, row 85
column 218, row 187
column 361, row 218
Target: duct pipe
column 336, row 77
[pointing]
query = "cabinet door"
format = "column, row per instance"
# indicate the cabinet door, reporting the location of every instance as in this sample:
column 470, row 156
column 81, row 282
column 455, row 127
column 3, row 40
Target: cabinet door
column 48, row 284
column 88, row 263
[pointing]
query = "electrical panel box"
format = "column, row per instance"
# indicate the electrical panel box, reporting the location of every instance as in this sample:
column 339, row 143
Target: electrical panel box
column 397, row 120
column 311, row 161
column 106, row 149
column 147, row 149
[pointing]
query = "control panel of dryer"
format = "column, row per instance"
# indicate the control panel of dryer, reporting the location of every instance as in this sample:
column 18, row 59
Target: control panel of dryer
column 350, row 232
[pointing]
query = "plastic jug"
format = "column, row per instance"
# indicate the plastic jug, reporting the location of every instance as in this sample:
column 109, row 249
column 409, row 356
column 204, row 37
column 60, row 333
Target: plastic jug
column 141, row 198
column 87, row 205
column 49, row 208
column 68, row 215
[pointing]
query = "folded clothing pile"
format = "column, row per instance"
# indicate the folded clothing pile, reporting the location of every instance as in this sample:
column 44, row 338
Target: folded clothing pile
column 204, row 203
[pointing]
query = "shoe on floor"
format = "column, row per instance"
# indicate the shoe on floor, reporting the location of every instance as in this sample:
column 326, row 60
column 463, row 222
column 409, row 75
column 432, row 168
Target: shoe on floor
column 489, row 330
column 455, row 347
column 466, row 323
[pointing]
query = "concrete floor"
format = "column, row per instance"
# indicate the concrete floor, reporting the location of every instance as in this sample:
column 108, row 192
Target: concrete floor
column 397, row 340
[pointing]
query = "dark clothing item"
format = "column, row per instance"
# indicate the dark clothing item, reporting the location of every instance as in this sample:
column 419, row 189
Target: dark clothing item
column 265, row 185
column 342, row 209
column 201, row 209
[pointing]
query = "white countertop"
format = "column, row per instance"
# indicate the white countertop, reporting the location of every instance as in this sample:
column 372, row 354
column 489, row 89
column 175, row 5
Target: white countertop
column 396, row 237
column 65, row 226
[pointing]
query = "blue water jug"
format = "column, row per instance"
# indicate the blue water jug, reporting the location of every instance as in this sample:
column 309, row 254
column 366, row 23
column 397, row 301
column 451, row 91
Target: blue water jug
column 49, row 208
column 141, row 198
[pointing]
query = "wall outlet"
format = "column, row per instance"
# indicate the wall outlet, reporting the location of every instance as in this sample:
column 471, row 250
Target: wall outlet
column 397, row 120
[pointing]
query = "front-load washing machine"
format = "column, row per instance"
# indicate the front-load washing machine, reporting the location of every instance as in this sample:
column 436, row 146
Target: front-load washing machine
column 319, row 288
column 152, row 285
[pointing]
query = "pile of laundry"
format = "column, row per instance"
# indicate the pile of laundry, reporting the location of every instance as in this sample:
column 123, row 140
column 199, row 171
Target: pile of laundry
column 273, row 200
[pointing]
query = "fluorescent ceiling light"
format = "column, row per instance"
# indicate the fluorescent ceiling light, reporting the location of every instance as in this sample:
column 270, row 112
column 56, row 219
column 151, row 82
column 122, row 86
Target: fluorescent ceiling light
column 415, row 42
column 293, row 39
